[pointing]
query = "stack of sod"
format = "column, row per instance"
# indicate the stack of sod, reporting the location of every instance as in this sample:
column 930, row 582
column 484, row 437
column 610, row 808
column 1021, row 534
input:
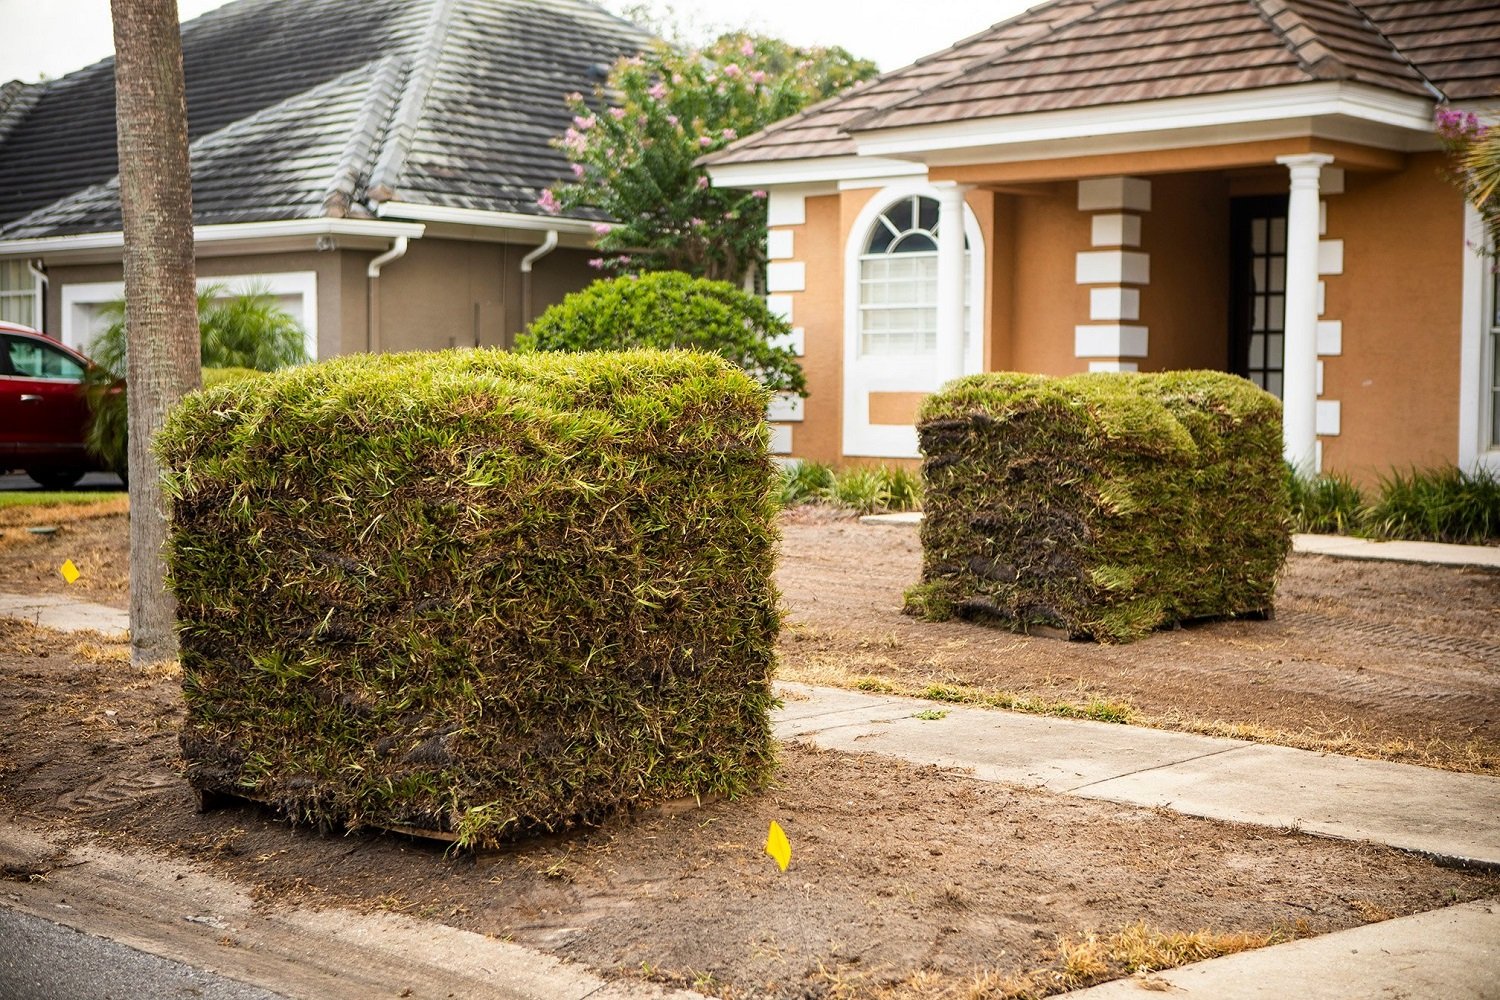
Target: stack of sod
column 1105, row 504
column 475, row 593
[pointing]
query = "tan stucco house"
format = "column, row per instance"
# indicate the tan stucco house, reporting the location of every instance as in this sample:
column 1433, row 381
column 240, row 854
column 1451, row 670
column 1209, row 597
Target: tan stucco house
column 375, row 164
column 1244, row 185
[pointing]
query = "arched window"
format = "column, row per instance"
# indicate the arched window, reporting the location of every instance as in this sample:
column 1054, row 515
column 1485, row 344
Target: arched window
column 898, row 280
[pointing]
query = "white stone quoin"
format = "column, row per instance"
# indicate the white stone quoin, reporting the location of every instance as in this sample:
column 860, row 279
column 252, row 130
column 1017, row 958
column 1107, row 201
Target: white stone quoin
column 950, row 282
column 1299, row 422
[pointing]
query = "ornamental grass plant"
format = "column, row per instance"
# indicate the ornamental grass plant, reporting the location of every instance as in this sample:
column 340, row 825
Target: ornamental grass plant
column 474, row 593
column 1104, row 504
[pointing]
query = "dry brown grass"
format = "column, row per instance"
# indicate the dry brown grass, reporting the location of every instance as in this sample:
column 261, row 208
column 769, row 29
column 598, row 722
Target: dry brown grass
column 1076, row 962
column 67, row 513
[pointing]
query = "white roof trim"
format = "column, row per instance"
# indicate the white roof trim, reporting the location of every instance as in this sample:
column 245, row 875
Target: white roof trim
column 1336, row 99
column 479, row 217
column 814, row 170
column 229, row 232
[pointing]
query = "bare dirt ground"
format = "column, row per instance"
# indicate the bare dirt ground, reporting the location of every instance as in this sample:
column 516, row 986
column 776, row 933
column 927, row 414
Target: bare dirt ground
column 905, row 881
column 1385, row 660
column 1377, row 659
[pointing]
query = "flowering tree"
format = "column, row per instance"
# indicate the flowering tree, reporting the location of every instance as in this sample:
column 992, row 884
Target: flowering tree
column 634, row 143
column 1475, row 152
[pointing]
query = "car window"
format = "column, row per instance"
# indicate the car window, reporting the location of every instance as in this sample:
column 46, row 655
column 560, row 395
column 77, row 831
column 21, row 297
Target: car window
column 33, row 359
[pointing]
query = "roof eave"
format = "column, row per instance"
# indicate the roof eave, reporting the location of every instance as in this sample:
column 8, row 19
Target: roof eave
column 217, row 240
column 1323, row 99
column 827, row 170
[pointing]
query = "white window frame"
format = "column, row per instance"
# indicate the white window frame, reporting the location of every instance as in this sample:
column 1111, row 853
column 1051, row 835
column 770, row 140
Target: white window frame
column 1476, row 353
column 895, row 373
column 37, row 293
column 75, row 298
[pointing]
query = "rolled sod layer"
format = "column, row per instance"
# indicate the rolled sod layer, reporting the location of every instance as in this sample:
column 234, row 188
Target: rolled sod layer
column 1106, row 504
column 472, row 592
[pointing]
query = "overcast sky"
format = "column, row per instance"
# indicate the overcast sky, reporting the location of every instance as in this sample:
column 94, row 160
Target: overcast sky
column 54, row 37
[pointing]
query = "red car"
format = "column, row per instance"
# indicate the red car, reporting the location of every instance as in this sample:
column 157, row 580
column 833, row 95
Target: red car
column 43, row 413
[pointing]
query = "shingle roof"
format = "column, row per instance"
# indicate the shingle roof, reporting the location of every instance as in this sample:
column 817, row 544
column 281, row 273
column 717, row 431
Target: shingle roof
column 1087, row 53
column 296, row 107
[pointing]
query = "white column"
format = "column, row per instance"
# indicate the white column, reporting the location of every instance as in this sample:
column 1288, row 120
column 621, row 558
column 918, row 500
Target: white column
column 950, row 282
column 1299, row 382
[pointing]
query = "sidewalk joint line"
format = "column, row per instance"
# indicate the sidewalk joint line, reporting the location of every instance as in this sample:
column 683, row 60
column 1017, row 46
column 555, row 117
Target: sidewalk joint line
column 1157, row 767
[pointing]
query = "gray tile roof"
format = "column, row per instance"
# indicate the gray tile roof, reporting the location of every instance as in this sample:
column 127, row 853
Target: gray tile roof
column 1091, row 53
column 299, row 108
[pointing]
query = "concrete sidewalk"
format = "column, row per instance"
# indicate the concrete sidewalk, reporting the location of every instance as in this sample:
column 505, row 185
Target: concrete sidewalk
column 1441, row 813
column 64, row 613
column 1342, row 546
column 1452, row 953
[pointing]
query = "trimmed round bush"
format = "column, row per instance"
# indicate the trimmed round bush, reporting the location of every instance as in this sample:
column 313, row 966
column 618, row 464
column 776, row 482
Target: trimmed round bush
column 475, row 593
column 669, row 310
column 1105, row 504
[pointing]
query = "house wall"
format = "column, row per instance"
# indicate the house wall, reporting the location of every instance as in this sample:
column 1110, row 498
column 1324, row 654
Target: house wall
column 1047, row 301
column 459, row 293
column 1186, row 305
column 328, row 266
column 819, row 311
column 442, row 293
column 1399, row 299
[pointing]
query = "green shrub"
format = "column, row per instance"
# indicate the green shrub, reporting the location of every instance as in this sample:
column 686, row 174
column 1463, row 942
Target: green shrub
column 1437, row 505
column 472, row 591
column 670, row 310
column 1105, row 504
column 804, row 482
column 1325, row 504
column 860, row 489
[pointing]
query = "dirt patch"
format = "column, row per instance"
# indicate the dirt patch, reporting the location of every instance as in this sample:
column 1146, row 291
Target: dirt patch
column 904, row 880
column 1380, row 659
column 1377, row 659
column 95, row 536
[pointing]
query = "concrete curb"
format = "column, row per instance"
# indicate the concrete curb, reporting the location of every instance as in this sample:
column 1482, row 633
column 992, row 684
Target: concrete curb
column 177, row 911
column 1446, row 815
column 1452, row 953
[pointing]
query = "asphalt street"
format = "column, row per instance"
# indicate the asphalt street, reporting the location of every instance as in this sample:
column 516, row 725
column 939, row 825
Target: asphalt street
column 40, row 960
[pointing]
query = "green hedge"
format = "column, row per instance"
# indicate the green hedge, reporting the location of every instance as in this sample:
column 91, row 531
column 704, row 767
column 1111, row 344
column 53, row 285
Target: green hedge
column 475, row 592
column 1105, row 504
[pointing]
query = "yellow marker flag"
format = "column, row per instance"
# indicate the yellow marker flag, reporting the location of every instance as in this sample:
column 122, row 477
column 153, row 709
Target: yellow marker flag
column 69, row 571
column 778, row 847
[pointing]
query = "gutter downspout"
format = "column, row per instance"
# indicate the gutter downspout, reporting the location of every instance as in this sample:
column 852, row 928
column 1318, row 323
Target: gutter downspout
column 549, row 243
column 372, row 309
column 39, row 272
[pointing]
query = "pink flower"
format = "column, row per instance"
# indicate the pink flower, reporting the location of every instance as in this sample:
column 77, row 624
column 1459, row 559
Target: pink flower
column 602, row 228
column 624, row 259
column 758, row 76
column 695, row 222
column 747, row 48
column 757, row 194
column 548, row 202
column 732, row 70
column 702, row 183
column 597, row 263
column 573, row 98
column 672, row 120
column 705, row 141
column 583, row 123
column 618, row 114
column 658, row 91
column 579, row 170
column 730, row 133
column 677, row 79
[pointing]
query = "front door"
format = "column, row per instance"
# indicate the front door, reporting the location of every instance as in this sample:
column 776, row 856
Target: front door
column 890, row 356
column 1257, row 231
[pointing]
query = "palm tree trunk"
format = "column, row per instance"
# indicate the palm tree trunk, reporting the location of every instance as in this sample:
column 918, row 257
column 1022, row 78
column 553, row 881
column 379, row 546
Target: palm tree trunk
column 161, row 321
